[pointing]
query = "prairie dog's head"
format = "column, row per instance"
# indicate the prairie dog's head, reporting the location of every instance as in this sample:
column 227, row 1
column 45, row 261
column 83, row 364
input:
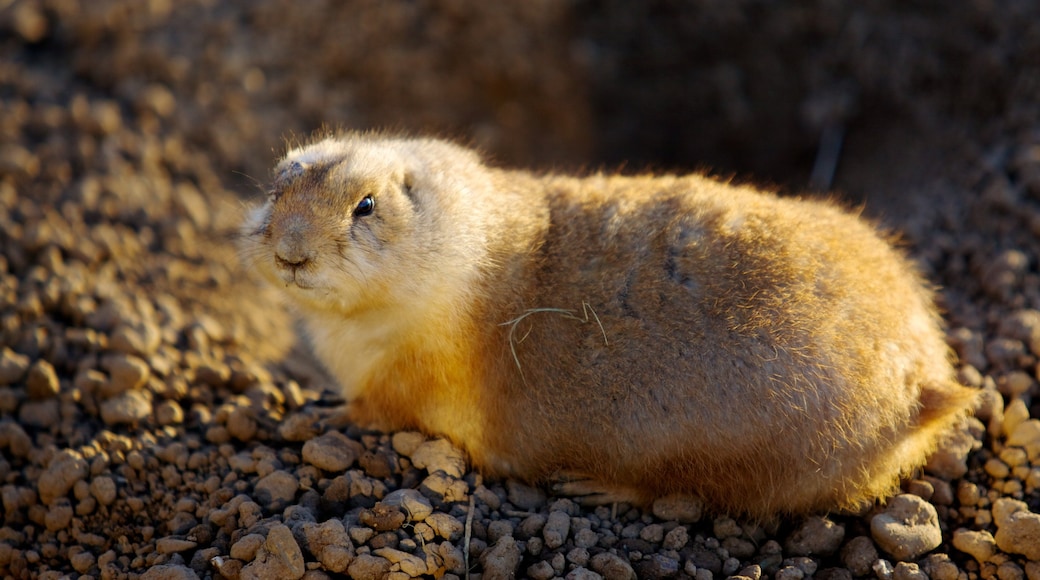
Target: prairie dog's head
column 357, row 221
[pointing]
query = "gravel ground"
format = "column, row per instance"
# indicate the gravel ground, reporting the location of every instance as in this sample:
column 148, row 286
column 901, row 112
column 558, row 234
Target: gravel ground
column 159, row 419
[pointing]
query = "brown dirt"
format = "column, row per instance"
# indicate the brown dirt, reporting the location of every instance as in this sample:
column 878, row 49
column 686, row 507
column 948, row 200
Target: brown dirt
column 154, row 412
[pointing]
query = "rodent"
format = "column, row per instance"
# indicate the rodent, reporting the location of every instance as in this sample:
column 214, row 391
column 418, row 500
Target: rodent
column 625, row 337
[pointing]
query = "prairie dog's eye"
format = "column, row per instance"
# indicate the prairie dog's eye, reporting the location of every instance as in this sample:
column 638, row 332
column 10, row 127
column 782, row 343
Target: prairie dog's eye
column 365, row 207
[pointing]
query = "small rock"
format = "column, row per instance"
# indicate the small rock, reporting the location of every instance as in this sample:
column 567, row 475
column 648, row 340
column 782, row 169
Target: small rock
column 368, row 566
column 678, row 508
column 300, row 426
column 789, row 573
column 581, row 573
column 676, row 539
column 169, row 413
column 43, row 414
column 329, row 543
column 907, row 528
column 940, row 567
column 411, row 502
column 612, row 566
column 15, row 439
column 406, row 442
column 908, row 571
column 276, row 489
column 502, row 560
column 126, row 373
column 382, row 517
column 978, row 544
column 280, row 557
column 240, row 424
column 858, row 555
column 13, row 366
column 524, row 496
column 174, row 545
column 129, row 408
column 950, row 461
column 445, row 526
column 541, row 571
column 1018, row 529
column 657, row 566
column 411, row 565
column 816, row 536
column 556, row 529
column 1026, row 433
column 442, row 488
column 332, row 451
column 440, row 455
column 42, row 382
column 170, row 572
column 1015, row 414
column 246, row 547
column 65, row 469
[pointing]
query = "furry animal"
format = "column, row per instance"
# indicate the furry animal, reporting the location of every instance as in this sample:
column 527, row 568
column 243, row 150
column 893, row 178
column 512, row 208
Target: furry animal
column 623, row 337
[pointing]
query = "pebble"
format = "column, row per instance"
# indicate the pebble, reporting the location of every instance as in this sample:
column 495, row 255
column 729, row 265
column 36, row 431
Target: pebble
column 978, row 544
column 129, row 408
column 949, row 462
column 368, row 566
column 908, row 571
column 524, row 496
column 13, row 366
column 42, row 382
column 1015, row 413
column 333, row 452
column 174, row 545
column 502, row 560
column 1018, row 529
column 411, row 565
column 15, row 439
column 940, row 567
column 406, row 442
column 680, row 508
column 279, row 557
column 240, row 424
column 246, row 547
column 1025, row 433
column 581, row 573
column 612, row 567
column 65, row 469
column 330, row 543
column 44, row 414
column 170, row 572
column 276, row 489
column 445, row 526
column 300, row 426
column 411, row 502
column 907, row 528
column 444, row 489
column 382, row 517
column 125, row 373
column 816, row 536
column 556, row 529
column 858, row 555
column 439, row 455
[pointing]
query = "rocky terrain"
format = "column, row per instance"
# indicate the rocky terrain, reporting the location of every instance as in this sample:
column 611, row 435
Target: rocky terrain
column 160, row 419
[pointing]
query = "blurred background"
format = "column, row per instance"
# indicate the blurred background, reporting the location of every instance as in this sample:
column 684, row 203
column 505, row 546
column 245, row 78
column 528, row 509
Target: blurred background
column 886, row 100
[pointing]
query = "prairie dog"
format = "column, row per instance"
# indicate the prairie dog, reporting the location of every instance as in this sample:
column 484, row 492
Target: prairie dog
column 624, row 337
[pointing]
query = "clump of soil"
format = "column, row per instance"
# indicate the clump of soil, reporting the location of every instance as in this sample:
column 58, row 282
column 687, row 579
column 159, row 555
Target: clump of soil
column 158, row 419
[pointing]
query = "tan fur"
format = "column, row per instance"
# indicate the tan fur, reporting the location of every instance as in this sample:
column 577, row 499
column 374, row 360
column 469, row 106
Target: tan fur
column 633, row 335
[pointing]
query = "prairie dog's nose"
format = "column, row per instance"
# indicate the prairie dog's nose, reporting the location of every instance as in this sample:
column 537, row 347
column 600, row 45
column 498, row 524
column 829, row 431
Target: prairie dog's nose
column 292, row 251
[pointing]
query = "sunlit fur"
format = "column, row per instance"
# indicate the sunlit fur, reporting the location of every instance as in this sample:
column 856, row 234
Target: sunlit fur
column 636, row 335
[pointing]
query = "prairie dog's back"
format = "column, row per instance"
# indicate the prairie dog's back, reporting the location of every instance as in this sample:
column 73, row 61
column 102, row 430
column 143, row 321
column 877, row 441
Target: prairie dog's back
column 650, row 334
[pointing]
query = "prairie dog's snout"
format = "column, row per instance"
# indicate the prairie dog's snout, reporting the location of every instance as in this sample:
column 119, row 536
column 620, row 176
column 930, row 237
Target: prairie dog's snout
column 637, row 336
